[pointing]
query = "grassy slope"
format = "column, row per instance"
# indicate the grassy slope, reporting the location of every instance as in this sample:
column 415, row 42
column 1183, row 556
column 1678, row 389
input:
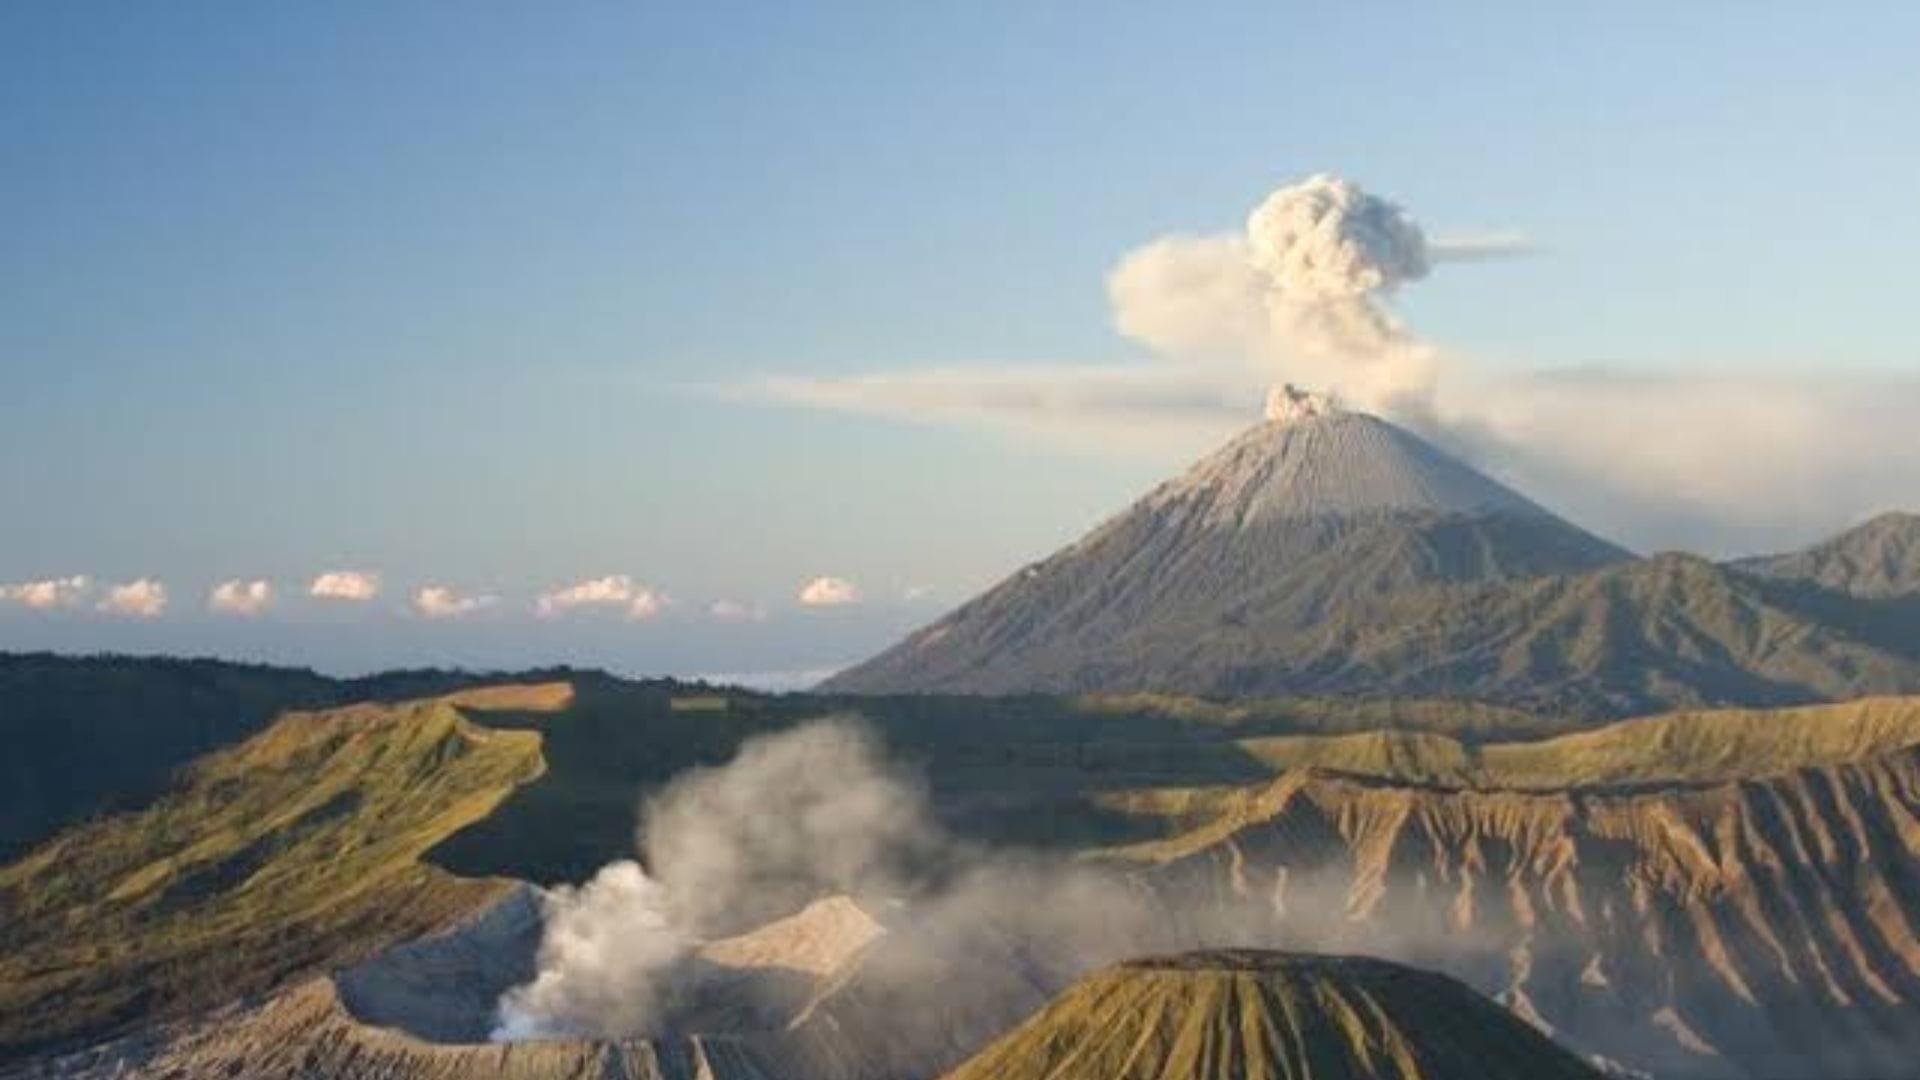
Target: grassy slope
column 295, row 850
column 1270, row 1016
column 1013, row 769
column 1693, row 747
column 89, row 735
column 85, row 736
column 306, row 844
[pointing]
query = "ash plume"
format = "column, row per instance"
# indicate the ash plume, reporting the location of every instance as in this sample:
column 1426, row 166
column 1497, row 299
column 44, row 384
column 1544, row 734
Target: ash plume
column 1304, row 291
column 819, row 811
column 1326, row 239
column 805, row 813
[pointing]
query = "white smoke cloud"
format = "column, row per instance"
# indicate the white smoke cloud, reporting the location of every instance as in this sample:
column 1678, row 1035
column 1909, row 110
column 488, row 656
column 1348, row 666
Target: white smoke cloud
column 615, row 590
column 1714, row 463
column 355, row 585
column 1188, row 295
column 1720, row 464
column 49, row 594
column 605, row 953
column 238, row 597
column 1326, row 239
column 971, row 935
column 808, row 812
column 1301, row 293
column 829, row 592
column 817, row 811
column 143, row 598
column 442, row 602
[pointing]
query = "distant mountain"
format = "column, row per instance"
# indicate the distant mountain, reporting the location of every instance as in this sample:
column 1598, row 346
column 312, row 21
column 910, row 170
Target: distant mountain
column 1253, row 1015
column 1332, row 553
column 1292, row 523
column 1877, row 560
column 1670, row 631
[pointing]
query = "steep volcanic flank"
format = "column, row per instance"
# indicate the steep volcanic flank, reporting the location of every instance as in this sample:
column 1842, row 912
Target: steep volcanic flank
column 1251, row 1015
column 1298, row 518
column 1325, row 553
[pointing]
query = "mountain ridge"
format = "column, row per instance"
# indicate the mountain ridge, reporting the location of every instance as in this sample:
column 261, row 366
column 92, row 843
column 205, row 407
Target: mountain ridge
column 1877, row 559
column 1291, row 520
column 1332, row 553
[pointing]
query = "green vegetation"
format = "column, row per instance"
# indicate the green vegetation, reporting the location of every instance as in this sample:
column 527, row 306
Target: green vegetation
column 1696, row 747
column 1692, row 747
column 332, row 832
column 1019, row 770
column 99, row 734
column 294, row 851
column 1247, row 1015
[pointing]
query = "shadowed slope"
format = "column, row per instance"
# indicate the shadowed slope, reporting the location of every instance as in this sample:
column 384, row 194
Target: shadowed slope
column 1249, row 1015
column 292, row 851
column 1291, row 522
column 1878, row 559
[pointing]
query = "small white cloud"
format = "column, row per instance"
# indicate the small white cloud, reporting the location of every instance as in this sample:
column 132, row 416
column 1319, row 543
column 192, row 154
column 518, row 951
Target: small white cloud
column 614, row 590
column 239, row 597
column 829, row 592
column 915, row 593
column 441, row 602
column 345, row 585
column 49, row 594
column 143, row 599
column 736, row 611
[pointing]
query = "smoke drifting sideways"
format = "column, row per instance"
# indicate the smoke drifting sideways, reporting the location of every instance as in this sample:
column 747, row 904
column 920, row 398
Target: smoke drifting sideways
column 1724, row 462
column 973, row 938
column 1304, row 290
column 813, row 812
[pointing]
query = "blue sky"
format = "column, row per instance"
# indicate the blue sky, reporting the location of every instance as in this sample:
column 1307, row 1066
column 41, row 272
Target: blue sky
column 446, row 290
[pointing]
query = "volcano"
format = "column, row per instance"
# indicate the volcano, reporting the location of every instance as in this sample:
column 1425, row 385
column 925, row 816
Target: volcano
column 1273, row 1016
column 1198, row 585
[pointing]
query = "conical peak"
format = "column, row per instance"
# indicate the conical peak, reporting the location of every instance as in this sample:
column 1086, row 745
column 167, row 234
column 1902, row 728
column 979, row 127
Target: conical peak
column 1253, row 1016
column 1333, row 464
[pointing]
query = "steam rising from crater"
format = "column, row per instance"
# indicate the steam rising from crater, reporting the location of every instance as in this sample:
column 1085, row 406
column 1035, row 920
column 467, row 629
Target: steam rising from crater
column 810, row 812
column 982, row 935
column 1325, row 239
column 1304, row 291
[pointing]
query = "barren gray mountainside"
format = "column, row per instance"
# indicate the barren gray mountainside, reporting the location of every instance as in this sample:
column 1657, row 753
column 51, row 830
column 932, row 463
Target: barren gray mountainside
column 1334, row 553
column 1293, row 522
column 1878, row 560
